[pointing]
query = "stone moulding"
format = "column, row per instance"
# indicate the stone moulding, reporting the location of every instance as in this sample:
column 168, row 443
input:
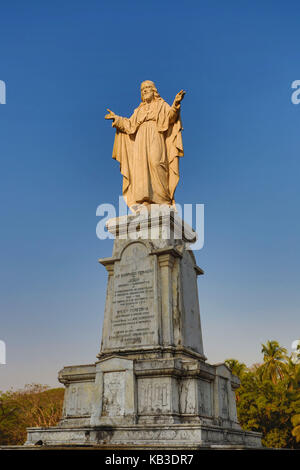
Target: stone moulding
column 170, row 436
column 160, row 222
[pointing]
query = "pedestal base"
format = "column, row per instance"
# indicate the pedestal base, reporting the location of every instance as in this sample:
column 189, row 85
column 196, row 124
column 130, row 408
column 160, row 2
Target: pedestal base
column 147, row 436
column 166, row 402
column 151, row 385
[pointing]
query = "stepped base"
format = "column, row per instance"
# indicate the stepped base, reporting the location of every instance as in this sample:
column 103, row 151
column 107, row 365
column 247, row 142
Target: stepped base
column 143, row 436
column 166, row 403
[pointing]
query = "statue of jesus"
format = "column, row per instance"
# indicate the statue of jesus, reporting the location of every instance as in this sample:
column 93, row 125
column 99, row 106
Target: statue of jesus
column 147, row 146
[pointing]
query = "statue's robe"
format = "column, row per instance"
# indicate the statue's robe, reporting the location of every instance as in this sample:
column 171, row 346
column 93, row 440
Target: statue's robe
column 147, row 146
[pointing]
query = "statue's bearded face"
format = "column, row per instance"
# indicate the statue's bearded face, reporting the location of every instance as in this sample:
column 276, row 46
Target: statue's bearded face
column 147, row 92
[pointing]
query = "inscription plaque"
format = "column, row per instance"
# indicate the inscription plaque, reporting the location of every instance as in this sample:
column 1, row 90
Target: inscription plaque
column 204, row 397
column 134, row 318
column 223, row 397
column 113, row 394
column 78, row 402
column 154, row 395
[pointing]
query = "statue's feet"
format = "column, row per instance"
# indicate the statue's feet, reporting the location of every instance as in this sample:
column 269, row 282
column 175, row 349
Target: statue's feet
column 148, row 206
column 137, row 208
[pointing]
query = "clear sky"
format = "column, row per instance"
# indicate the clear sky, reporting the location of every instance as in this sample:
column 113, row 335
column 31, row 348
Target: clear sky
column 65, row 62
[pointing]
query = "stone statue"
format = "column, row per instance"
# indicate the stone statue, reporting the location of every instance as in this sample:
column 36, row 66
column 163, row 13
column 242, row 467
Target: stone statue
column 147, row 146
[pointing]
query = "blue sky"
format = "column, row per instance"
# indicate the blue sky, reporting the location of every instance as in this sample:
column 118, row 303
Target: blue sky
column 64, row 63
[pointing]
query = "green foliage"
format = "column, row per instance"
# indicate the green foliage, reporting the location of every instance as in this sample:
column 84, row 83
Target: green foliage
column 296, row 427
column 275, row 357
column 236, row 367
column 35, row 405
column 268, row 400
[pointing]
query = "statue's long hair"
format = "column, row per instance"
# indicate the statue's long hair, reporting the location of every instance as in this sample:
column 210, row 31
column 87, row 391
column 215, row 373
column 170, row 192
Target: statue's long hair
column 156, row 94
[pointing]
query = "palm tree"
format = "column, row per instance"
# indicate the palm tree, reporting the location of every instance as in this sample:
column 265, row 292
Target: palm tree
column 236, row 367
column 296, row 429
column 275, row 357
column 292, row 371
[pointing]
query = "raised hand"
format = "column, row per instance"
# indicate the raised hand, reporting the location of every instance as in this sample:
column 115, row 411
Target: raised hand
column 110, row 115
column 179, row 97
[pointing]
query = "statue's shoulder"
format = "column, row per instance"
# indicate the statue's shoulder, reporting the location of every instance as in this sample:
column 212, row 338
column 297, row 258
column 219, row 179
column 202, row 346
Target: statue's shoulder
column 161, row 103
column 138, row 108
column 165, row 104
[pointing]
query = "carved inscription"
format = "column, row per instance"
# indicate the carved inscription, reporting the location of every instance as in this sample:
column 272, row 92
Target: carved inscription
column 154, row 396
column 113, row 394
column 78, row 400
column 204, row 398
column 223, row 397
column 133, row 320
column 187, row 396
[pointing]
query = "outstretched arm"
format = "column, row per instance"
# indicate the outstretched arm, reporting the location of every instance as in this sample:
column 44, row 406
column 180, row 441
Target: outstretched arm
column 126, row 125
column 174, row 110
column 178, row 98
column 110, row 115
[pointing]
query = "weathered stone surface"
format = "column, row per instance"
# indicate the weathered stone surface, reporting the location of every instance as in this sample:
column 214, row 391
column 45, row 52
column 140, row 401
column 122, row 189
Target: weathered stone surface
column 152, row 297
column 134, row 320
column 115, row 396
column 151, row 384
column 182, row 436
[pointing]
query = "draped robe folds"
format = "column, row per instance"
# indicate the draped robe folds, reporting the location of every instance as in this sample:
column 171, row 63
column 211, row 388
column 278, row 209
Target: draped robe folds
column 147, row 146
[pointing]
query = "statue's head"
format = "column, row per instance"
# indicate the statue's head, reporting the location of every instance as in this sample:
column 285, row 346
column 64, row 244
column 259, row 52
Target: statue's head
column 148, row 91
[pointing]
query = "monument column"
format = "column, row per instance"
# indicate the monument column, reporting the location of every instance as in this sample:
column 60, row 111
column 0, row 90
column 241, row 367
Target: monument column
column 166, row 263
column 109, row 265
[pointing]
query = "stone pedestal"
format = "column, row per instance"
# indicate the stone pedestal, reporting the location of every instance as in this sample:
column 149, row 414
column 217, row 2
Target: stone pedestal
column 151, row 384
